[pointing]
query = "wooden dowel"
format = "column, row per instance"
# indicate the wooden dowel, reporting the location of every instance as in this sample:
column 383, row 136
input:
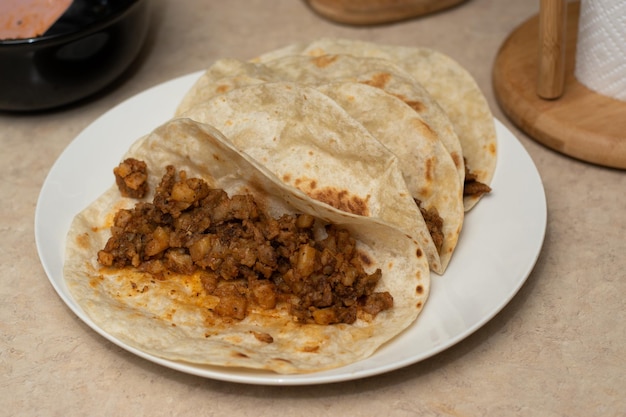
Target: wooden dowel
column 552, row 22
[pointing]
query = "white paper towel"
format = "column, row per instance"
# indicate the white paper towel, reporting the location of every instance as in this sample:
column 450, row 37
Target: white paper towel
column 601, row 47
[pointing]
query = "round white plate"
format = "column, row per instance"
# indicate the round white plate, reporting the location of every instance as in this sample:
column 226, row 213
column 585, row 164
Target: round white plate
column 501, row 239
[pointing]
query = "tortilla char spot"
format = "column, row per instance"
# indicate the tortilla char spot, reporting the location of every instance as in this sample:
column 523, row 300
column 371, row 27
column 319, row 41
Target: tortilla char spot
column 419, row 305
column 423, row 129
column 430, row 167
column 313, row 184
column 82, row 240
column 492, row 148
column 340, row 199
column 223, row 88
column 216, row 157
column 419, row 253
column 378, row 80
column 419, row 289
column 286, row 177
column 367, row 261
column 456, row 158
column 418, row 106
column 310, row 348
column 310, row 153
column 263, row 337
column 240, row 355
column 431, row 133
column 324, row 60
column 298, row 181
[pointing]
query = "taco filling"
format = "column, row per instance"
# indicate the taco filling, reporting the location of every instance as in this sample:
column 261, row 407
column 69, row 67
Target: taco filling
column 245, row 257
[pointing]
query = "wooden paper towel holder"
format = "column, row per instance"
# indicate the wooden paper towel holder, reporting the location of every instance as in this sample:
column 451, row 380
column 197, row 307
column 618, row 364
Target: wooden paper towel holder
column 534, row 83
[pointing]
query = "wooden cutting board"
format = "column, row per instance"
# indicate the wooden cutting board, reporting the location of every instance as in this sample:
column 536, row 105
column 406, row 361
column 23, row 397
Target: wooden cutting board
column 581, row 123
column 371, row 12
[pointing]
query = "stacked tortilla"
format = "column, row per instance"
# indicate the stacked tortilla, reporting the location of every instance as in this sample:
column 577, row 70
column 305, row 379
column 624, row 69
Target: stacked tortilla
column 419, row 104
column 363, row 136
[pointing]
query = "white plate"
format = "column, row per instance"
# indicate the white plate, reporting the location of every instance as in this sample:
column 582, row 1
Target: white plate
column 501, row 239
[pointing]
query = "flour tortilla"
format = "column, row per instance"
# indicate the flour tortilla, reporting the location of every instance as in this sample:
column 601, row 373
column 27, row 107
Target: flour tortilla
column 427, row 168
column 451, row 85
column 390, row 104
column 169, row 319
column 311, row 143
column 227, row 74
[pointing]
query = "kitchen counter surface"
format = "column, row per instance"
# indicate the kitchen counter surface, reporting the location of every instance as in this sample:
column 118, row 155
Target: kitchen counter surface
column 557, row 349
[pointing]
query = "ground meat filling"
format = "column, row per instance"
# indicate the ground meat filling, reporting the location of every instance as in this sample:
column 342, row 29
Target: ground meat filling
column 434, row 223
column 245, row 258
column 472, row 187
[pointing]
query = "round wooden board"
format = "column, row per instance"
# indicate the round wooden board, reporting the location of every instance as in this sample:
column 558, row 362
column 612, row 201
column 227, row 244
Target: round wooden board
column 374, row 12
column 581, row 123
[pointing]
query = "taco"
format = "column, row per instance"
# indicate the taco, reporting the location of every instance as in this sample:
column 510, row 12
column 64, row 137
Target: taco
column 428, row 170
column 376, row 94
column 151, row 302
column 310, row 142
column 451, row 85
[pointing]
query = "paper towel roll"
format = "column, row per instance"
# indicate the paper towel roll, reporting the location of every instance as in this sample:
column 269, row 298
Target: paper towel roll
column 601, row 47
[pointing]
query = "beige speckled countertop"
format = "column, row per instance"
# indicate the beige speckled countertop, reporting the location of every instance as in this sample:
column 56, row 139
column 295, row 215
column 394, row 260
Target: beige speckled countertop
column 557, row 349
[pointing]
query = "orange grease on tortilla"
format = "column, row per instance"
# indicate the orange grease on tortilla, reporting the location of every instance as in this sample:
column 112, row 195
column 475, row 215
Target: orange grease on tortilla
column 82, row 241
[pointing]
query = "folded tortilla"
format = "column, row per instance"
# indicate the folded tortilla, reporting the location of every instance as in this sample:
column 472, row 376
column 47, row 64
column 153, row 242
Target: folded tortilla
column 451, row 85
column 311, row 142
column 390, row 105
column 227, row 74
column 166, row 318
